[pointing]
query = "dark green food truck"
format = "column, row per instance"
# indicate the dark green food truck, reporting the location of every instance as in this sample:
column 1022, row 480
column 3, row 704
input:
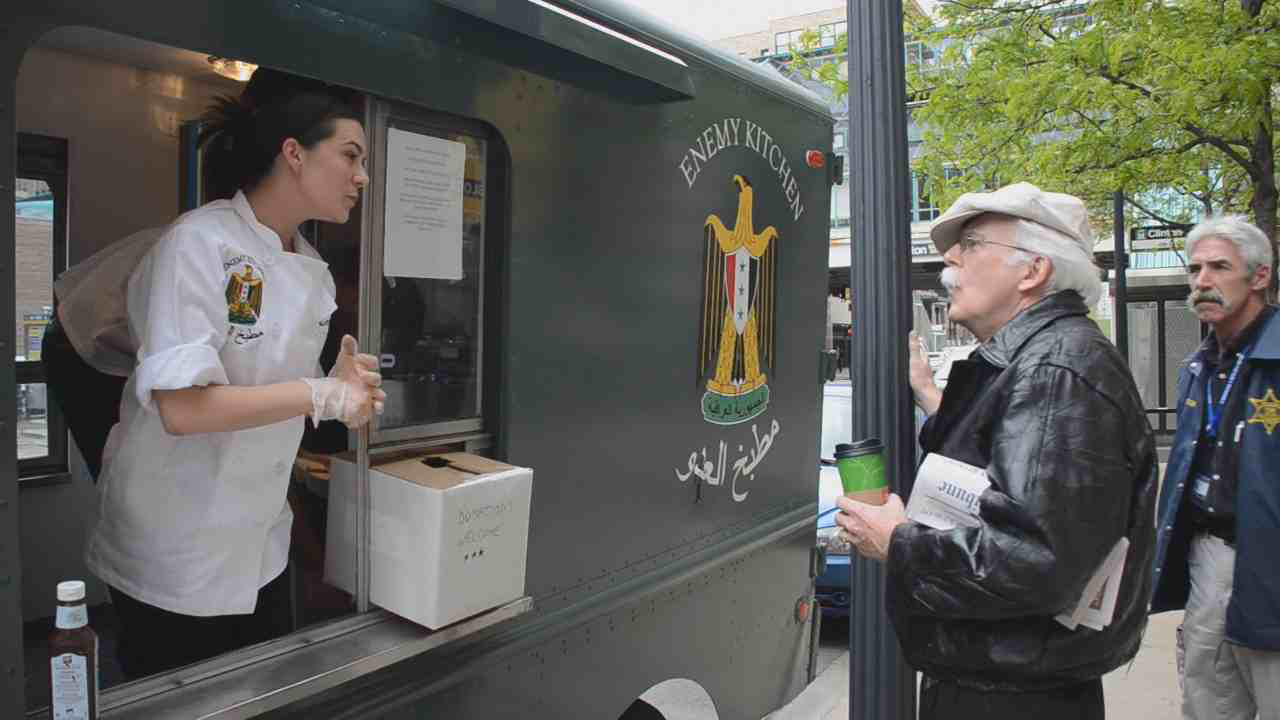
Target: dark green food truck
column 591, row 249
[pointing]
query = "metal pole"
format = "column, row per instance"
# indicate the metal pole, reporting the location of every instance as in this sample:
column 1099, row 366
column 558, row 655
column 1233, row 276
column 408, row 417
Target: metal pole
column 881, row 686
column 1120, row 311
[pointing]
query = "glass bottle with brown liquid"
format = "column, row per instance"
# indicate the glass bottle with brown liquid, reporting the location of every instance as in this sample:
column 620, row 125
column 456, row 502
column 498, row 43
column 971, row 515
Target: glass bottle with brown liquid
column 73, row 657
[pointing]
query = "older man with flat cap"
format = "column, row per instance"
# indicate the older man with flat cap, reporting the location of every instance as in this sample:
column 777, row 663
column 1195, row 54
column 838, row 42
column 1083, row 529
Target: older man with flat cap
column 1047, row 407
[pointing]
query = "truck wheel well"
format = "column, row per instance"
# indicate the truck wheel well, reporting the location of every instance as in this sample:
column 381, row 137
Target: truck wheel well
column 677, row 696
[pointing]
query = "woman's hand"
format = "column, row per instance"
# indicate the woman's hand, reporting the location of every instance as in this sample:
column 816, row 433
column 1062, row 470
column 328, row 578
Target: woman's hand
column 351, row 393
column 920, row 376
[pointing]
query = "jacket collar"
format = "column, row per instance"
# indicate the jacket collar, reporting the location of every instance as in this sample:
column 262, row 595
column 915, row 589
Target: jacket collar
column 1008, row 340
column 266, row 234
column 1267, row 345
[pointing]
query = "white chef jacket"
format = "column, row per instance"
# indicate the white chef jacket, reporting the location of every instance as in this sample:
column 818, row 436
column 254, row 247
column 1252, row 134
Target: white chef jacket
column 197, row 524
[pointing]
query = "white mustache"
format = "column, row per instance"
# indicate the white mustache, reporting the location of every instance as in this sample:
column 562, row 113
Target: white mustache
column 948, row 278
column 1198, row 296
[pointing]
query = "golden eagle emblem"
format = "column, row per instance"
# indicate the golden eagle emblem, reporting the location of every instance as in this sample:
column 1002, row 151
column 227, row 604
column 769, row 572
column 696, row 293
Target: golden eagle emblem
column 736, row 342
column 244, row 297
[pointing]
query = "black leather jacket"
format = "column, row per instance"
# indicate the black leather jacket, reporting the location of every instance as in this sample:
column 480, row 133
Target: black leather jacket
column 1049, row 408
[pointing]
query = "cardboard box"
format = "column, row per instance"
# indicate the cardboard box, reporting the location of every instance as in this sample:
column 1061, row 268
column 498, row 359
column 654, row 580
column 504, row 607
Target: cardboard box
column 445, row 543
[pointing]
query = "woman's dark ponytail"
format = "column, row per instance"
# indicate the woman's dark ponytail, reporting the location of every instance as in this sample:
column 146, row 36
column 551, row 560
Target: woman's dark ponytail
column 226, row 136
column 242, row 136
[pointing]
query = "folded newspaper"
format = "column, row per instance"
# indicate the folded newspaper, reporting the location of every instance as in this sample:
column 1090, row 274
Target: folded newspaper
column 946, row 492
column 1097, row 604
column 945, row 496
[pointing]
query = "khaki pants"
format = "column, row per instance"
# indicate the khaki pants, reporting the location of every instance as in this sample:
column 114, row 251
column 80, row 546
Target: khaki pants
column 1221, row 680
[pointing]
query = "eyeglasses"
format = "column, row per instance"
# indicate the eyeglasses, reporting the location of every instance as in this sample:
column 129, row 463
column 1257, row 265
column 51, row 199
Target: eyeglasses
column 970, row 241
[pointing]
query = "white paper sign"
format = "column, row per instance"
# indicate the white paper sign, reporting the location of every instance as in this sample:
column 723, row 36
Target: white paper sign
column 423, row 217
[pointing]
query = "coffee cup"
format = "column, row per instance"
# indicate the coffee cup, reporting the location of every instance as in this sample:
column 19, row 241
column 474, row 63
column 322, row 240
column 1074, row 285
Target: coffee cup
column 862, row 473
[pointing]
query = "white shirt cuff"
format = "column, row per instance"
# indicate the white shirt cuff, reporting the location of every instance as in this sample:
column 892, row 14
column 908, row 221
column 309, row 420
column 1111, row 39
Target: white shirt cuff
column 178, row 367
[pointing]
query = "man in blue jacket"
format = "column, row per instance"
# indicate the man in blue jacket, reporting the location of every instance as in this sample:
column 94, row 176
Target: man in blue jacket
column 1219, row 514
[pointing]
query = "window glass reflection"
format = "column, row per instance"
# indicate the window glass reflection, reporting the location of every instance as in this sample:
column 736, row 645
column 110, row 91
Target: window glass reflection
column 33, row 421
column 431, row 328
column 33, row 265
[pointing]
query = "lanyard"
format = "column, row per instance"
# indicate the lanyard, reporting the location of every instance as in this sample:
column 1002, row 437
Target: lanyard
column 1211, row 408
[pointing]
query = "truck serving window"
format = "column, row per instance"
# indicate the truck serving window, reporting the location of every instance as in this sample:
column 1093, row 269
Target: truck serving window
column 127, row 124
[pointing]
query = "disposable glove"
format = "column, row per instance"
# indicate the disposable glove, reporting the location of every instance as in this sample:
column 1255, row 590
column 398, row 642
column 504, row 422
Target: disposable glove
column 351, row 393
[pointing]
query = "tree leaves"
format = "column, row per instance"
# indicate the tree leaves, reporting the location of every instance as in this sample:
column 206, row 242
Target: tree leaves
column 1171, row 101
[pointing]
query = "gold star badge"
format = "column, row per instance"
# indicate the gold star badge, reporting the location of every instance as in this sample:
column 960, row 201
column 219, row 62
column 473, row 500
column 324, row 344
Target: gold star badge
column 1266, row 410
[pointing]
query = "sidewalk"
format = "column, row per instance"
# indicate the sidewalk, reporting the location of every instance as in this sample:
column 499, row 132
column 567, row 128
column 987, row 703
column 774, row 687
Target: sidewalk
column 1146, row 688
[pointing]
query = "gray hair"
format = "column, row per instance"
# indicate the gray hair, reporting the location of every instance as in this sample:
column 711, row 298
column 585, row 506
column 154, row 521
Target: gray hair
column 1073, row 268
column 1253, row 244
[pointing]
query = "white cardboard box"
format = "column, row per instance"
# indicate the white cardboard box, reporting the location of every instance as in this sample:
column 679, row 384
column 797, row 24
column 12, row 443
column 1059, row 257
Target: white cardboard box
column 445, row 544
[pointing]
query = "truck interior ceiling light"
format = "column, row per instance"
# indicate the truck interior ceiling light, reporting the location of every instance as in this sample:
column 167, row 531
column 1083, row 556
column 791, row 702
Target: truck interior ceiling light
column 612, row 33
column 234, row 69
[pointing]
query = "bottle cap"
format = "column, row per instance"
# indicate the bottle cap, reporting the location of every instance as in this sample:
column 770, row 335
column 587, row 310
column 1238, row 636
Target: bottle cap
column 70, row 591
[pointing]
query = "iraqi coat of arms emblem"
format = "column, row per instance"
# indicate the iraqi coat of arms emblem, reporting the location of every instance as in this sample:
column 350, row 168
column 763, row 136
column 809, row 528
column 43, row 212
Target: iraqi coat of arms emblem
column 736, row 342
column 244, row 297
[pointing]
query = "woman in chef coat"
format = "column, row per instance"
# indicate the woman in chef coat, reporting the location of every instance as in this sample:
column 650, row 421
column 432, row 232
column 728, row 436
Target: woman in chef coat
column 230, row 309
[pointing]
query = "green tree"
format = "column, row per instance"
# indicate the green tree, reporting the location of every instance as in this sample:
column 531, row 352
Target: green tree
column 829, row 66
column 810, row 60
column 1166, row 100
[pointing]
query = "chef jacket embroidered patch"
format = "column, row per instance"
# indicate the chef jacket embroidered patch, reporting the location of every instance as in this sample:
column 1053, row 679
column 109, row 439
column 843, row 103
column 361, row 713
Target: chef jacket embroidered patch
column 1266, row 410
column 244, row 296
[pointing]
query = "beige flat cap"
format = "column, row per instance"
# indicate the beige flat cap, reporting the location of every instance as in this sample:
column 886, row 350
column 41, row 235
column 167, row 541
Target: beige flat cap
column 1057, row 211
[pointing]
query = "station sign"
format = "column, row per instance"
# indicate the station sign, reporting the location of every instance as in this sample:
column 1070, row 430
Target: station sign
column 919, row 249
column 1156, row 237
